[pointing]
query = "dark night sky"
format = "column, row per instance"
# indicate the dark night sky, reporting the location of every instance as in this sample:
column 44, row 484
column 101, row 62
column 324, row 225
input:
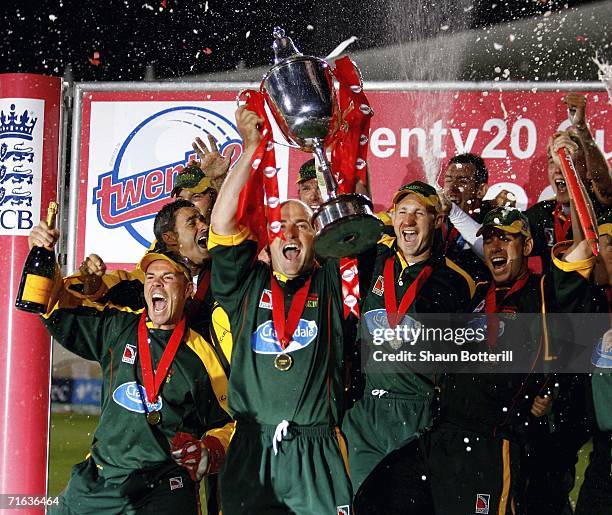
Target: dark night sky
column 44, row 36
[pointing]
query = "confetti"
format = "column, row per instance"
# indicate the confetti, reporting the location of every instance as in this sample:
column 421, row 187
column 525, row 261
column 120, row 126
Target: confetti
column 207, row 51
column 52, row 17
column 95, row 60
column 164, row 4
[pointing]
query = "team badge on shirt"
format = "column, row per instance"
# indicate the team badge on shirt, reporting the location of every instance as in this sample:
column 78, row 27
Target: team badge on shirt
column 265, row 300
column 344, row 510
column 129, row 354
column 482, row 503
column 176, row 482
column 379, row 286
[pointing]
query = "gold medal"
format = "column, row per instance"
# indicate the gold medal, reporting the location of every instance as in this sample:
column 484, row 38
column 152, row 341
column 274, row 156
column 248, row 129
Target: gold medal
column 283, row 362
column 154, row 417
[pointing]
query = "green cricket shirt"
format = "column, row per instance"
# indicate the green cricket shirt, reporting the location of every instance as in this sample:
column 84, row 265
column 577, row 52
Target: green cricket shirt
column 311, row 392
column 192, row 398
column 447, row 290
column 498, row 404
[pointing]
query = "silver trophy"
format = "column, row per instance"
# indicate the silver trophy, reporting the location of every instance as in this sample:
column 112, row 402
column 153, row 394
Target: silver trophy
column 300, row 93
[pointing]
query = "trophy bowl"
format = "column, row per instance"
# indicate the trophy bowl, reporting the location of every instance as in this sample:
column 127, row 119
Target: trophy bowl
column 345, row 226
column 301, row 96
column 299, row 91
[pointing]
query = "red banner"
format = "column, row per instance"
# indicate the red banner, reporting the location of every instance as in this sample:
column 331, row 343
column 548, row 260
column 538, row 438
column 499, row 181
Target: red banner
column 29, row 157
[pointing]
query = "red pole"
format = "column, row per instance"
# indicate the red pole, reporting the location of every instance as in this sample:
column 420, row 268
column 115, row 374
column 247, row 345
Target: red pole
column 29, row 159
column 580, row 199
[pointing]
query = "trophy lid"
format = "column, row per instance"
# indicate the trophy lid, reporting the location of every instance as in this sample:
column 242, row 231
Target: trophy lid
column 283, row 46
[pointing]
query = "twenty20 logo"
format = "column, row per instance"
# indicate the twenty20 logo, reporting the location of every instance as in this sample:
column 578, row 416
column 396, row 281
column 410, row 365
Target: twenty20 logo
column 147, row 162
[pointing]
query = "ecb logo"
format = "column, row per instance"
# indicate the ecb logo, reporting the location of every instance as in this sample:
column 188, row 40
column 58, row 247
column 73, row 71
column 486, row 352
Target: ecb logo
column 156, row 150
column 18, row 162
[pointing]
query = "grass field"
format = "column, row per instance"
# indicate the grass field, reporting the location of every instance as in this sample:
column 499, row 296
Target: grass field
column 71, row 435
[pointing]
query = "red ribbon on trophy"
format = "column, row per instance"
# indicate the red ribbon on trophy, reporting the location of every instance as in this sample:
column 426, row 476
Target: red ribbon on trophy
column 350, row 150
column 262, row 220
column 349, row 158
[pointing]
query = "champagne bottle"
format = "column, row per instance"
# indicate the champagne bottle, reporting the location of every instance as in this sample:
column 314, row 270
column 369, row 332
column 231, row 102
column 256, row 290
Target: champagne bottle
column 38, row 273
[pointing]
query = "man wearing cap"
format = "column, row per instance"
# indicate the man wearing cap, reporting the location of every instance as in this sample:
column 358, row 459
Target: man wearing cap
column 162, row 383
column 308, row 186
column 286, row 389
column 488, row 420
column 408, row 278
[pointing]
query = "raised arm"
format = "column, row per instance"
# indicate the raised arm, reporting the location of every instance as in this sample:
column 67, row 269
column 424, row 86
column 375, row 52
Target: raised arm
column 596, row 165
column 223, row 219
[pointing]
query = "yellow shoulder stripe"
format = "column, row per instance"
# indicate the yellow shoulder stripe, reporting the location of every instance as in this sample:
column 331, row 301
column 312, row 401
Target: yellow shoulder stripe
column 65, row 298
column 217, row 376
column 230, row 240
column 221, row 327
column 583, row 267
column 387, row 240
column 468, row 278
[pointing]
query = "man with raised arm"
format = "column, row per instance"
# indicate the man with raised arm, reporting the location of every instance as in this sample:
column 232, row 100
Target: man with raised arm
column 286, row 389
column 162, row 385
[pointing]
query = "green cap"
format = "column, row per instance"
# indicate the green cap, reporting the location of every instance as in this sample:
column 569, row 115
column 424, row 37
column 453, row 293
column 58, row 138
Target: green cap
column 604, row 223
column 307, row 171
column 507, row 219
column 424, row 191
column 191, row 178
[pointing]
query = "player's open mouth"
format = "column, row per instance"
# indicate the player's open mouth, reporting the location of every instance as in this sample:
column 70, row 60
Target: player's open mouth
column 159, row 302
column 202, row 240
column 499, row 263
column 561, row 186
column 291, row 251
column 409, row 235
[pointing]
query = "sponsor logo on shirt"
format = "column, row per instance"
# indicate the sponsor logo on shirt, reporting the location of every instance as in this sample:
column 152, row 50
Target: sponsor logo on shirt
column 602, row 353
column 376, row 320
column 482, row 503
column 344, row 510
column 176, row 482
column 265, row 300
column 129, row 354
column 130, row 396
column 379, row 286
column 264, row 340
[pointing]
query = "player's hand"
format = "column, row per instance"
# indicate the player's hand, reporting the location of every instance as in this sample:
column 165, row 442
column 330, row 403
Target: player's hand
column 445, row 203
column 212, row 163
column 190, row 453
column 92, row 270
column 576, row 104
column 561, row 140
column 42, row 236
column 540, row 406
column 248, row 126
column 505, row 198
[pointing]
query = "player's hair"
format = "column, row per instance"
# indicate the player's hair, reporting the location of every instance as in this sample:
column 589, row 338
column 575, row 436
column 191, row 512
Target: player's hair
column 165, row 220
column 481, row 175
column 306, row 207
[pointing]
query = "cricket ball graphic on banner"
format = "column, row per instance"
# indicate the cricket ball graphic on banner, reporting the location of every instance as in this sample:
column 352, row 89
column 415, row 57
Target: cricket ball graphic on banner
column 130, row 194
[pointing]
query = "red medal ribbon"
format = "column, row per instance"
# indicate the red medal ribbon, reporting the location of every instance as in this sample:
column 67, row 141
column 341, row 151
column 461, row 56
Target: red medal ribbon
column 153, row 379
column 561, row 227
column 286, row 327
column 395, row 313
column 200, row 294
column 449, row 237
column 491, row 306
